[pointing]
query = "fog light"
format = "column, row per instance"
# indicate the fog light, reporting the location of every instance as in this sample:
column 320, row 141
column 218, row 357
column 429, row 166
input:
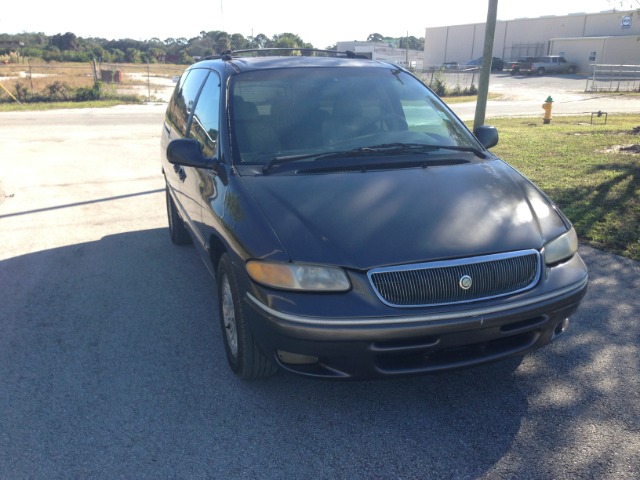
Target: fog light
column 296, row 358
column 561, row 327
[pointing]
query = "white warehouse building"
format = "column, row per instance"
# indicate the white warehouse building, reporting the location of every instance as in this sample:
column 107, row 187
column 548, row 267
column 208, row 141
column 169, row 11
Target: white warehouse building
column 582, row 38
column 384, row 52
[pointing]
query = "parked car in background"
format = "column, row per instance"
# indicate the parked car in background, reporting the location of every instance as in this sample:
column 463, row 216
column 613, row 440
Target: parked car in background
column 548, row 64
column 513, row 67
column 496, row 64
column 354, row 225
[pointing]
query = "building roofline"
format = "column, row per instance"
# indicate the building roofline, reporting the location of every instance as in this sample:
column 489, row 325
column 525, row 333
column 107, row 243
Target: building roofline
column 543, row 17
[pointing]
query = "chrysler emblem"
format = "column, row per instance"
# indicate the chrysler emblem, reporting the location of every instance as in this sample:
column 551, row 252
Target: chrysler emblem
column 465, row 282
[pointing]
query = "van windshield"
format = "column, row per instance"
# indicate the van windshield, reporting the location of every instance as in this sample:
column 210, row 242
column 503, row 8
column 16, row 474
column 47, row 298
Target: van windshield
column 306, row 111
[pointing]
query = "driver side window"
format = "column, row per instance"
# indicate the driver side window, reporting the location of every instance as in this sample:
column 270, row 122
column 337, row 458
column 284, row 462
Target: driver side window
column 205, row 122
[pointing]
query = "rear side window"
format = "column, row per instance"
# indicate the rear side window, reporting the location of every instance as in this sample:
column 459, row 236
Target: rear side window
column 184, row 99
column 205, row 121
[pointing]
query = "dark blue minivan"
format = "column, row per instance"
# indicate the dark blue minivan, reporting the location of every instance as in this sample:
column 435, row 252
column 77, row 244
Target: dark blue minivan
column 354, row 225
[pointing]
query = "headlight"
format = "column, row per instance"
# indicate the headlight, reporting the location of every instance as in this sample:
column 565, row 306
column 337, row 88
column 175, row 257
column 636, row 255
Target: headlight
column 291, row 276
column 561, row 248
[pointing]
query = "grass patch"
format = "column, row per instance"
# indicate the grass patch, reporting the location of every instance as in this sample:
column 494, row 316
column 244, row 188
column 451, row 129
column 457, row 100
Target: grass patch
column 31, row 107
column 468, row 98
column 579, row 166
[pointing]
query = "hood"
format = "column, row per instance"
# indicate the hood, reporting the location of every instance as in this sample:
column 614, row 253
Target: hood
column 389, row 217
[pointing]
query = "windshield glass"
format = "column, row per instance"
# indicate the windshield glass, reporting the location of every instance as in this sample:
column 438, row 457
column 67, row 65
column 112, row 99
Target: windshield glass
column 301, row 112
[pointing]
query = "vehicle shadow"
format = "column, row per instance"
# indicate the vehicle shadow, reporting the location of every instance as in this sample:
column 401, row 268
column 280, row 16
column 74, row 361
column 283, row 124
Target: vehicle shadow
column 113, row 366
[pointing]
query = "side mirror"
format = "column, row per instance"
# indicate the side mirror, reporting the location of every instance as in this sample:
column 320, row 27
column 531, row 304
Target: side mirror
column 186, row 153
column 487, row 135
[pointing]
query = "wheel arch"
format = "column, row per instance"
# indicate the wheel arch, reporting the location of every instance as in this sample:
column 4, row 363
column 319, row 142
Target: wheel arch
column 216, row 249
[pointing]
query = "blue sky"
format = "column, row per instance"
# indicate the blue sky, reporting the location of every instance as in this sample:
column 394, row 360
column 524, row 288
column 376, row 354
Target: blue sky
column 322, row 23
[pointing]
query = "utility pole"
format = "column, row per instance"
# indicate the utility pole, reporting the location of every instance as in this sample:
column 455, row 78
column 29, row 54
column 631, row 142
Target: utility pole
column 406, row 51
column 487, row 57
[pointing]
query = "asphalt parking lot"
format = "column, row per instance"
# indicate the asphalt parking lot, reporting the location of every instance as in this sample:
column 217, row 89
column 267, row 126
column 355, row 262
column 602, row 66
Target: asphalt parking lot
column 112, row 365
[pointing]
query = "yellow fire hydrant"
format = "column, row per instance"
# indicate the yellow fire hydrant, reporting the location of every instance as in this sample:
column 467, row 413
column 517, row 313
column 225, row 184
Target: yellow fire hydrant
column 546, row 106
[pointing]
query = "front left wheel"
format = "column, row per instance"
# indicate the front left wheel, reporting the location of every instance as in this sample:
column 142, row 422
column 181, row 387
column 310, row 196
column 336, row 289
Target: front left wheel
column 245, row 358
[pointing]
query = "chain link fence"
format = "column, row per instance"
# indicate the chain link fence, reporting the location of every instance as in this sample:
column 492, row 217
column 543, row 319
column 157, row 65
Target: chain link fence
column 155, row 82
column 451, row 80
column 50, row 81
column 147, row 81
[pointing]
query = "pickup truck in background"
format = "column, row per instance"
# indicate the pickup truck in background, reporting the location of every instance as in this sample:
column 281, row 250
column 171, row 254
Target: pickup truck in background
column 514, row 67
column 547, row 64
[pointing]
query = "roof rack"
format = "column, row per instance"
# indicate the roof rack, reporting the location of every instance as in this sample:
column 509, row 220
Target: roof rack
column 305, row 52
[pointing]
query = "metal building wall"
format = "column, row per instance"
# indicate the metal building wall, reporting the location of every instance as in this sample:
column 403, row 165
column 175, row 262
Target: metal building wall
column 529, row 37
column 610, row 24
column 614, row 50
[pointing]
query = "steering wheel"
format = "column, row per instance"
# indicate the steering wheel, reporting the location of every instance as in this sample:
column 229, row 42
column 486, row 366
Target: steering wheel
column 386, row 122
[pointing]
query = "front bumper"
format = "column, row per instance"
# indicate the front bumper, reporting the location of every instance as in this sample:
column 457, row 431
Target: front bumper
column 369, row 347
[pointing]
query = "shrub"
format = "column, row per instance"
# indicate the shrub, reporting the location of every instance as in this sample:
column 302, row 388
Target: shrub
column 22, row 92
column 84, row 94
column 58, row 90
column 438, row 86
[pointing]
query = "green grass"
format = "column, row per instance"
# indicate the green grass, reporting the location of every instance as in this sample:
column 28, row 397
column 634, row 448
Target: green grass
column 576, row 164
column 448, row 99
column 31, row 107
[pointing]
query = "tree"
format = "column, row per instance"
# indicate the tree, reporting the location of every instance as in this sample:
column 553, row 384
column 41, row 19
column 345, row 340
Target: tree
column 238, row 42
column 375, row 37
column 96, row 51
column 412, row 43
column 68, row 47
column 133, row 55
column 259, row 41
column 222, row 42
column 288, row 40
column 155, row 55
column 68, row 41
column 117, row 55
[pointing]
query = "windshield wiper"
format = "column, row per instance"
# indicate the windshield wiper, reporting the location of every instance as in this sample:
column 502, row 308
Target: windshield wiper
column 422, row 148
column 385, row 148
column 290, row 158
column 357, row 152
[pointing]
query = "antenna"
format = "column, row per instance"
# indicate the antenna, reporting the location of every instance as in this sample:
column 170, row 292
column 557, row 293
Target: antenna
column 221, row 16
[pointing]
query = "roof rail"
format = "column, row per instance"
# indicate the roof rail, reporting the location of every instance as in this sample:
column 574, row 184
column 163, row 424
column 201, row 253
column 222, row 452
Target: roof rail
column 305, row 52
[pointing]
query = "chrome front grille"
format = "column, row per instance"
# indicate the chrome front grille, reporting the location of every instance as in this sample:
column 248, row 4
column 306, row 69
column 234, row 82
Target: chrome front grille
column 456, row 281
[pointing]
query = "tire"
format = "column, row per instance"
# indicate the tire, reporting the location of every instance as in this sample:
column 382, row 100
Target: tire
column 177, row 228
column 540, row 71
column 245, row 358
column 572, row 69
